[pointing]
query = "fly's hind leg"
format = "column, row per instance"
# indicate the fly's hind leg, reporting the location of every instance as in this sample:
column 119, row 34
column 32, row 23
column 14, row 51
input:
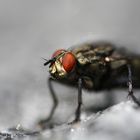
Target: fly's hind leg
column 43, row 123
column 130, row 86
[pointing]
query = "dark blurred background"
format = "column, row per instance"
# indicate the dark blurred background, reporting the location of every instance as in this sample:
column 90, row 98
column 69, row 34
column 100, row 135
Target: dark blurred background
column 31, row 29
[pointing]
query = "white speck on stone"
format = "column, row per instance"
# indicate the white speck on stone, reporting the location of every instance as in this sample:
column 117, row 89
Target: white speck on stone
column 72, row 130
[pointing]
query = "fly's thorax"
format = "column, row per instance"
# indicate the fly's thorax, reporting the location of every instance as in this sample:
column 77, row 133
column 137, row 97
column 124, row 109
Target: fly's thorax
column 64, row 64
column 92, row 52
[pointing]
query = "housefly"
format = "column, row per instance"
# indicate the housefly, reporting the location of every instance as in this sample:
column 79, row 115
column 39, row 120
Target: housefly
column 93, row 66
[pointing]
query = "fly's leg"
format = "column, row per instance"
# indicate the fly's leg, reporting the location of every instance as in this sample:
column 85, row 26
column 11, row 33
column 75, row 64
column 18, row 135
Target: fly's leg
column 43, row 123
column 130, row 87
column 78, row 110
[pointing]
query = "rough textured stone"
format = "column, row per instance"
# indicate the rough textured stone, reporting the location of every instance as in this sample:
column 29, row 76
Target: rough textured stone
column 120, row 121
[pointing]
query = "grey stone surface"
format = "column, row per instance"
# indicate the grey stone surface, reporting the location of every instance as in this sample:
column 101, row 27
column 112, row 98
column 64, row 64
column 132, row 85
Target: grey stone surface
column 120, row 121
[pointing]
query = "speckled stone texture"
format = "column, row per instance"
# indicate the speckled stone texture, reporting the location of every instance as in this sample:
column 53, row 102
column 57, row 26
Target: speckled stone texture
column 120, row 121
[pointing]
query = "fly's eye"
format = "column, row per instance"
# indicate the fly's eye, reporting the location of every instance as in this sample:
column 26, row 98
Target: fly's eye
column 57, row 52
column 68, row 61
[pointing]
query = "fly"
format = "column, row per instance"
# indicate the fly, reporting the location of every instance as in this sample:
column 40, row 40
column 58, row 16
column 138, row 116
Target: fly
column 93, row 66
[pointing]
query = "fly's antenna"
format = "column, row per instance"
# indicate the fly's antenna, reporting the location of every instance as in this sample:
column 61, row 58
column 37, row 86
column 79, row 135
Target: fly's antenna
column 53, row 59
column 49, row 61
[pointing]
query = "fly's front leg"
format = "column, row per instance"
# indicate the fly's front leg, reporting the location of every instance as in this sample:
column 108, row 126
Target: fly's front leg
column 130, row 86
column 78, row 110
column 43, row 123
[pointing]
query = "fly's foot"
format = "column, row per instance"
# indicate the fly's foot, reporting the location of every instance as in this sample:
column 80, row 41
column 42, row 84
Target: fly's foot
column 132, row 96
column 45, row 124
column 75, row 121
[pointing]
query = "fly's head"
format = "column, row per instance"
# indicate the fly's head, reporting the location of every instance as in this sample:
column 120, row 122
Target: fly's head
column 62, row 63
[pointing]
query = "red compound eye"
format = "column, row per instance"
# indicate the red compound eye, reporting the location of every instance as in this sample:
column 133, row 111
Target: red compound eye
column 57, row 52
column 68, row 61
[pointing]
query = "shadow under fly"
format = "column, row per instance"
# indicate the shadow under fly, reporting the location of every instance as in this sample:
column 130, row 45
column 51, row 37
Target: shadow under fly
column 93, row 66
